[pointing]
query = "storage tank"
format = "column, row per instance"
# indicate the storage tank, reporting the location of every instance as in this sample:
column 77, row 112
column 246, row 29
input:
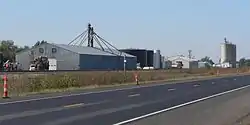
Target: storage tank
column 168, row 64
column 141, row 55
column 157, row 59
column 228, row 53
column 150, row 58
column 163, row 62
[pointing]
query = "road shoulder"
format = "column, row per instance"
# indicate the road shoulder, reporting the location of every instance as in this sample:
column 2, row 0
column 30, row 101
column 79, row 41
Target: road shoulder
column 222, row 110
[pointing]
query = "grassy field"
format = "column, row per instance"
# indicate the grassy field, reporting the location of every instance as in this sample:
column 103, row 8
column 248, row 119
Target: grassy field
column 20, row 83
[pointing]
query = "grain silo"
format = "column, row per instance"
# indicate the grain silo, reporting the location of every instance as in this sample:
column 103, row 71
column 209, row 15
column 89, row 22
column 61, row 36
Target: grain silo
column 157, row 59
column 163, row 65
column 228, row 53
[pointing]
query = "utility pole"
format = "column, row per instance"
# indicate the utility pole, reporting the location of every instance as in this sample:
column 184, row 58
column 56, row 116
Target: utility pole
column 124, row 67
column 189, row 54
column 190, row 61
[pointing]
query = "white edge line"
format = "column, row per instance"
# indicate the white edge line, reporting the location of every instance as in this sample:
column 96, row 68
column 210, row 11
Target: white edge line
column 178, row 106
column 196, row 85
column 87, row 93
column 134, row 95
column 171, row 89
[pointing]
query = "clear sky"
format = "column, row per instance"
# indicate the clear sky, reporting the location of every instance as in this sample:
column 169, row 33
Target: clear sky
column 173, row 26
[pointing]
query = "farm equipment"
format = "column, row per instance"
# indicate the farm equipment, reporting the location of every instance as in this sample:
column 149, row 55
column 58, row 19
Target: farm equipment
column 40, row 63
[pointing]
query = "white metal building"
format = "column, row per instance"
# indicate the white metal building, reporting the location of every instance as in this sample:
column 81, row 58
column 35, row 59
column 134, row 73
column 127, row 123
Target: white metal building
column 187, row 63
column 69, row 57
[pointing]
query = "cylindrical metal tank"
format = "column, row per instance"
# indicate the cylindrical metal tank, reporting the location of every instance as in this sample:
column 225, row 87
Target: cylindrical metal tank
column 163, row 62
column 141, row 55
column 168, row 64
column 228, row 53
column 150, row 58
column 157, row 59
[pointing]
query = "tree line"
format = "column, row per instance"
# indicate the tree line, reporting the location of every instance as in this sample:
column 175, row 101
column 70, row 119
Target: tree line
column 243, row 62
column 9, row 49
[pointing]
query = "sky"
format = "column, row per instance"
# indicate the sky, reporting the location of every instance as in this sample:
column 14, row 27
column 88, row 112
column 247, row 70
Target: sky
column 173, row 26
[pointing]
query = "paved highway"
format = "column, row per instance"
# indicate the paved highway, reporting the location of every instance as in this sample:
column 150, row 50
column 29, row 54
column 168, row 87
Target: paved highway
column 115, row 106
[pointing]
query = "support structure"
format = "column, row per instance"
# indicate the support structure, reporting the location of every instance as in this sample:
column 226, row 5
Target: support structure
column 95, row 41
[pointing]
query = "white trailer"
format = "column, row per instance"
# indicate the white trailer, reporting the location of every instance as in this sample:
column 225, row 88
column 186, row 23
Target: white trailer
column 52, row 64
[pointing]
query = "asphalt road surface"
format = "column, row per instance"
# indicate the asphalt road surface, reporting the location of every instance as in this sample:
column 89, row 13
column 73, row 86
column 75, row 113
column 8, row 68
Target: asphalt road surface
column 130, row 105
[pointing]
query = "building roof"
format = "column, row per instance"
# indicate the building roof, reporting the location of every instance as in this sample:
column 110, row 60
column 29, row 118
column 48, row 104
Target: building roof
column 180, row 57
column 91, row 50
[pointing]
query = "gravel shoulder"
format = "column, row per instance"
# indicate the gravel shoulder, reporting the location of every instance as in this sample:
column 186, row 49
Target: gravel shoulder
column 229, row 109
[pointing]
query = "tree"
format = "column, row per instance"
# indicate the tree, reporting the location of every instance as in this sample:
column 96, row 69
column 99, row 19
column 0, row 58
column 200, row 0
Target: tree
column 43, row 41
column 244, row 62
column 207, row 59
column 8, row 49
column 36, row 44
column 208, row 62
column 247, row 63
column 39, row 43
column 22, row 49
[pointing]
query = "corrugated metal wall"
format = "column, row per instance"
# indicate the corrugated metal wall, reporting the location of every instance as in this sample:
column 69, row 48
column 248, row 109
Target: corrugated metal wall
column 150, row 58
column 141, row 55
column 99, row 62
column 24, row 59
column 66, row 60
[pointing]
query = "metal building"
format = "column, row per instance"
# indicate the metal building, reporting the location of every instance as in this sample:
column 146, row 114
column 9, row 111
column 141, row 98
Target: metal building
column 150, row 58
column 141, row 55
column 70, row 57
column 187, row 62
column 228, row 53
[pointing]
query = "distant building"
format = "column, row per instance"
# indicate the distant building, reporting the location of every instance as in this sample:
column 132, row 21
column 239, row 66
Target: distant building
column 144, row 57
column 187, row 62
column 70, row 57
column 202, row 64
column 228, row 53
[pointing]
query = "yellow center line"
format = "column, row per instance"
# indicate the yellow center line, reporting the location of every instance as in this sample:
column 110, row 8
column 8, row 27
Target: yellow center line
column 73, row 105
